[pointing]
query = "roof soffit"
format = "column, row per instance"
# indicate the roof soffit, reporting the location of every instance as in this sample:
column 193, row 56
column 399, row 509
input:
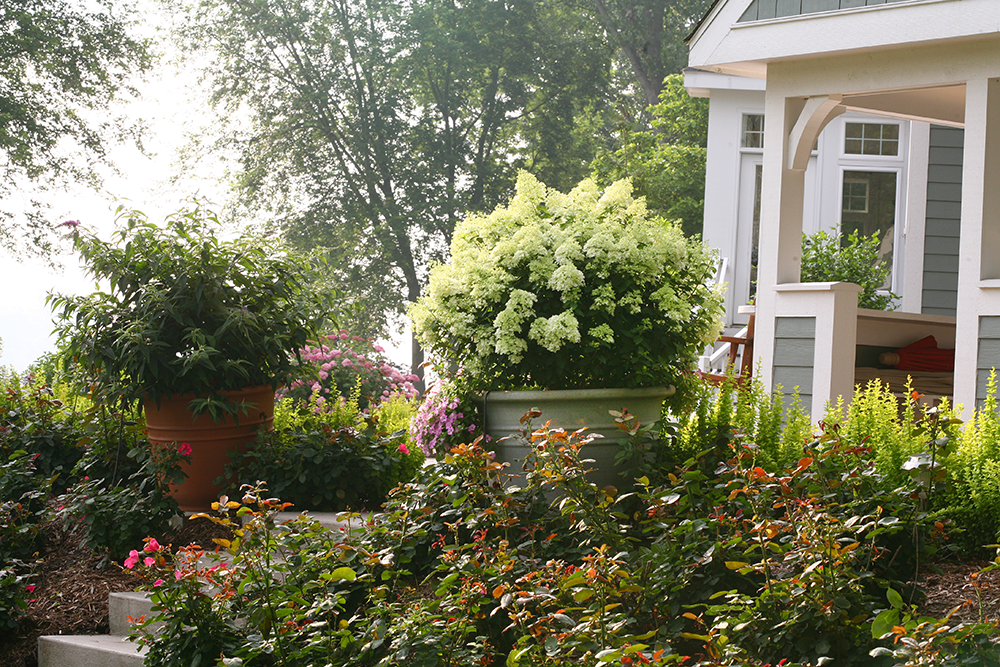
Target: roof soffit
column 724, row 45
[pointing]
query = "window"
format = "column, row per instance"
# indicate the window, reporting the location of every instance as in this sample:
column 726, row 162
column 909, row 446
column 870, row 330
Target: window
column 855, row 196
column 871, row 138
column 753, row 130
column 870, row 208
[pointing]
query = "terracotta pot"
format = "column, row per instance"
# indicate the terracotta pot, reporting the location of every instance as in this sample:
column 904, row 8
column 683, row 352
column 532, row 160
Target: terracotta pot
column 571, row 409
column 171, row 424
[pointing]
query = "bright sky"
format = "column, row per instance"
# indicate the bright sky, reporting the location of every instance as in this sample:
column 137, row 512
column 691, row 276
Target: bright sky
column 171, row 110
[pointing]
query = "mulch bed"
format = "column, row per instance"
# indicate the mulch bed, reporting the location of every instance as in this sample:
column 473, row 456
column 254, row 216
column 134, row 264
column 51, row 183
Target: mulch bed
column 72, row 587
column 71, row 594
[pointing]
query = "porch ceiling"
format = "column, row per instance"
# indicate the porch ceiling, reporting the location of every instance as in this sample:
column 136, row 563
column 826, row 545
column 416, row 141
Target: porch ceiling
column 944, row 105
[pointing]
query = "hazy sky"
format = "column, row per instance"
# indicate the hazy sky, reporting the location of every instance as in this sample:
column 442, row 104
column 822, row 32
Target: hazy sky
column 171, row 107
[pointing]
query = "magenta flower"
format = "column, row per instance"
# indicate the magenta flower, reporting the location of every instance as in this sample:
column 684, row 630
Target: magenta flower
column 149, row 561
column 177, row 575
column 30, row 588
column 184, row 449
column 132, row 560
column 70, row 223
column 158, row 582
column 403, row 448
column 153, row 545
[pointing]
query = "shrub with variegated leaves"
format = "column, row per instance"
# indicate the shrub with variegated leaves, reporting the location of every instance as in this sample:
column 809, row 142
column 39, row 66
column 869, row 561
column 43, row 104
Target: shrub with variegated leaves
column 577, row 290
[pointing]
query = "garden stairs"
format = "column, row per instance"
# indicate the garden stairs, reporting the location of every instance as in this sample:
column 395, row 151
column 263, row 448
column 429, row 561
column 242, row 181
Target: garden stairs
column 114, row 650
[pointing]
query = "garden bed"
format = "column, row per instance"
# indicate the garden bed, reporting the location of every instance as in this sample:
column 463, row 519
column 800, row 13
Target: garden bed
column 72, row 587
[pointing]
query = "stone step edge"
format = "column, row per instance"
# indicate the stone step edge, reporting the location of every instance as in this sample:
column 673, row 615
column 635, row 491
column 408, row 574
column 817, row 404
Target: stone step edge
column 88, row 651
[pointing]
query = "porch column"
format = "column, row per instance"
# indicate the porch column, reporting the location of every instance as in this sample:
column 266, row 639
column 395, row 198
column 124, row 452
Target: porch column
column 780, row 241
column 814, row 344
column 977, row 348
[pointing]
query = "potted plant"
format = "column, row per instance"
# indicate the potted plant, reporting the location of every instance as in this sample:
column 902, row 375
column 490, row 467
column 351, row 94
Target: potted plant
column 198, row 329
column 583, row 292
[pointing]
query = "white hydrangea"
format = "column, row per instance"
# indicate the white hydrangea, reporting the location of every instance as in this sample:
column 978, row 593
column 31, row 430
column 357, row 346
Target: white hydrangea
column 554, row 332
column 507, row 325
column 567, row 279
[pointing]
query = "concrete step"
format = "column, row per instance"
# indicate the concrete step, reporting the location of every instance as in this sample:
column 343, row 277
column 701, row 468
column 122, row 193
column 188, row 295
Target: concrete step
column 115, row 650
column 88, row 651
column 123, row 605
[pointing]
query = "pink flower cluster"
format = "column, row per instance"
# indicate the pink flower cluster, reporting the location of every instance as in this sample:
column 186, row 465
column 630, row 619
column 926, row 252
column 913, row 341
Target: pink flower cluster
column 443, row 421
column 340, row 361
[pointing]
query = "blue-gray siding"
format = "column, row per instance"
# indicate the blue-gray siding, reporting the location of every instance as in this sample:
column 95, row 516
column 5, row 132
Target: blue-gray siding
column 770, row 9
column 944, row 211
column 795, row 356
column 988, row 357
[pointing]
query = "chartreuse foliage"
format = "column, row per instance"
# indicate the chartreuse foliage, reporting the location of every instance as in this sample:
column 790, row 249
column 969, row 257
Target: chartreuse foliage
column 726, row 562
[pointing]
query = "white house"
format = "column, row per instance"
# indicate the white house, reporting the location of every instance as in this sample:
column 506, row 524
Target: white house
column 860, row 101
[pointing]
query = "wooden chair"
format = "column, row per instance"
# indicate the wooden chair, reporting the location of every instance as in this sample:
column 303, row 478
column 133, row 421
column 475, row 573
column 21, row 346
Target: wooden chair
column 746, row 360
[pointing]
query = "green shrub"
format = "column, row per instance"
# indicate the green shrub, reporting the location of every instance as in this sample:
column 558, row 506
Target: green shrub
column 115, row 516
column 34, row 420
column 317, row 466
column 827, row 258
column 973, row 495
column 747, row 413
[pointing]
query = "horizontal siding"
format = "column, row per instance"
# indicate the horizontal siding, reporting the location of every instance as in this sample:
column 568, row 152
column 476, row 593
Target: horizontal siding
column 794, row 357
column 943, row 221
column 940, row 264
column 947, row 155
column 988, row 356
column 760, row 10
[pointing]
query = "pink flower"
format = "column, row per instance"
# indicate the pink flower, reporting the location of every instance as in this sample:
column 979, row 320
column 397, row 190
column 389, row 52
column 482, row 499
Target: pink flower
column 158, row 582
column 379, row 349
column 152, row 545
column 70, row 223
column 403, row 448
column 30, row 588
column 184, row 449
column 149, row 561
column 177, row 575
column 132, row 560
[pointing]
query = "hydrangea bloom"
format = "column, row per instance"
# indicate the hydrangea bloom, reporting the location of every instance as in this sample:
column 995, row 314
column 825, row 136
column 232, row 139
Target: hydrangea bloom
column 343, row 364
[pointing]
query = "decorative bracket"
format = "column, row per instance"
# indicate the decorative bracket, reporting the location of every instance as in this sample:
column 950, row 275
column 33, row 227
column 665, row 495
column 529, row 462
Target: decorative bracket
column 817, row 112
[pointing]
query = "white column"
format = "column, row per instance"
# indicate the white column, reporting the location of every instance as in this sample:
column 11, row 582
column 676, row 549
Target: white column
column 979, row 251
column 780, row 245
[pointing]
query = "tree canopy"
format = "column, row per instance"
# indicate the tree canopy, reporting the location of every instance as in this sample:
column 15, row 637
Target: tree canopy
column 666, row 163
column 372, row 125
column 63, row 64
column 650, row 37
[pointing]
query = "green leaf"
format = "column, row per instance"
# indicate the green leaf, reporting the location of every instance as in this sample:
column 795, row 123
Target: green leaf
column 344, row 574
column 895, row 599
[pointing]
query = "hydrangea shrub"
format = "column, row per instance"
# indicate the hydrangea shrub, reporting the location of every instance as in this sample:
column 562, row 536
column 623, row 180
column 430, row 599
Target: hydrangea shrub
column 563, row 291
column 340, row 365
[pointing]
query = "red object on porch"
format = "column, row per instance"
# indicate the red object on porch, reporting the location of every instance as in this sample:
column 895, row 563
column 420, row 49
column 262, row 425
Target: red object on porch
column 924, row 355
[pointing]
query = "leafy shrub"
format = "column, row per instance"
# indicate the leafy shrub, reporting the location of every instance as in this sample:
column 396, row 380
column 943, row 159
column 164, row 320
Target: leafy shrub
column 32, row 419
column 272, row 567
column 973, row 495
column 114, row 516
column 747, row 413
column 724, row 564
column 324, row 467
column 828, row 258
column 341, row 366
column 22, row 493
column 564, row 291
